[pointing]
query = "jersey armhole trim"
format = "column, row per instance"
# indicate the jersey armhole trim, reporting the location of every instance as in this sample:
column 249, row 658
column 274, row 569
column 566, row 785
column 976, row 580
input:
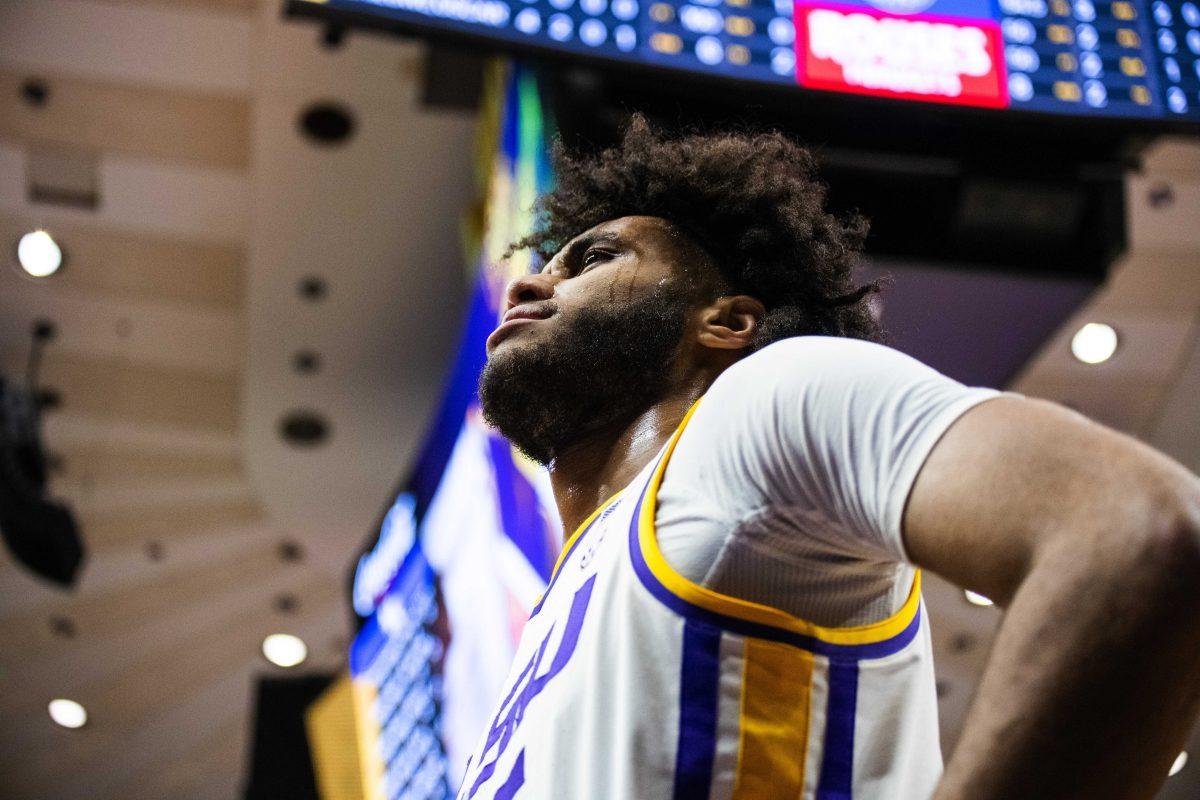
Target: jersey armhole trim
column 899, row 625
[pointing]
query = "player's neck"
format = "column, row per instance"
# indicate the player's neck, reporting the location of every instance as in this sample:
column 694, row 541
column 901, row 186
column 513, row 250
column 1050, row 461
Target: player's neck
column 604, row 462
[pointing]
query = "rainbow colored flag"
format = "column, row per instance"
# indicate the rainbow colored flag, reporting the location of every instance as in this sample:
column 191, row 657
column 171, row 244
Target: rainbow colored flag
column 467, row 547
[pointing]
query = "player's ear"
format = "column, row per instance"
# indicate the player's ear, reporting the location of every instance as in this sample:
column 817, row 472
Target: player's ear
column 730, row 322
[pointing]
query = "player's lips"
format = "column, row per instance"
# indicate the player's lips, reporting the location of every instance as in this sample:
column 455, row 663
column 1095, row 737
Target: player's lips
column 515, row 317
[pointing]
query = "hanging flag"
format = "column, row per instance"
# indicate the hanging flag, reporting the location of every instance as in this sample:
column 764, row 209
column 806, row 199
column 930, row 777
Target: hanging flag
column 467, row 547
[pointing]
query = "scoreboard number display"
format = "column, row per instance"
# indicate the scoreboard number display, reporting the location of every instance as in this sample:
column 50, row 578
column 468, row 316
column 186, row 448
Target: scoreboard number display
column 1136, row 59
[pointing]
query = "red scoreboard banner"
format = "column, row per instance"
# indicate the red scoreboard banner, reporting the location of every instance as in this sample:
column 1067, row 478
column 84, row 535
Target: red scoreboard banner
column 911, row 56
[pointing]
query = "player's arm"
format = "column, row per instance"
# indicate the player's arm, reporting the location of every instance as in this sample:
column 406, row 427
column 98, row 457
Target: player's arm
column 1091, row 543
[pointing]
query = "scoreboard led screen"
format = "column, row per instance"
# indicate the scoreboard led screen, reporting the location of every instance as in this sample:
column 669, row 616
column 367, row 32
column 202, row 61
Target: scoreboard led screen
column 1113, row 58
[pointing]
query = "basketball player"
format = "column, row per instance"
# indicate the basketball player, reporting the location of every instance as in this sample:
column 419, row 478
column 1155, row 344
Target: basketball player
column 755, row 486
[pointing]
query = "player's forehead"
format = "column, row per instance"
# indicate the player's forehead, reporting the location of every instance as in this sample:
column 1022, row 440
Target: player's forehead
column 633, row 225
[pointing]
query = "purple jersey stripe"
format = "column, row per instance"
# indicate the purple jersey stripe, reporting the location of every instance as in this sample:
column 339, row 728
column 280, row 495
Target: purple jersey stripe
column 516, row 779
column 698, row 676
column 837, row 763
column 756, row 629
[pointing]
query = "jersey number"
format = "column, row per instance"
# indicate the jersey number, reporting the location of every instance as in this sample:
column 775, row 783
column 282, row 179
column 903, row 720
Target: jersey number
column 528, row 685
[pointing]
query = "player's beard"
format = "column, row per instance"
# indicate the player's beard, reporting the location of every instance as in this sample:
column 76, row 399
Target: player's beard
column 605, row 366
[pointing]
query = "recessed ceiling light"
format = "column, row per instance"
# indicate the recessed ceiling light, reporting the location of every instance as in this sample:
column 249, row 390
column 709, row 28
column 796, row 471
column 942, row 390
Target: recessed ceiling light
column 1180, row 763
column 304, row 428
column 284, row 650
column 38, row 254
column 327, row 123
column 68, row 713
column 976, row 599
column 1094, row 342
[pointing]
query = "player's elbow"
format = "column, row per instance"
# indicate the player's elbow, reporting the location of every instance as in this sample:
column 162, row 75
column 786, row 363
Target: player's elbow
column 1182, row 538
column 1168, row 549
column 1146, row 543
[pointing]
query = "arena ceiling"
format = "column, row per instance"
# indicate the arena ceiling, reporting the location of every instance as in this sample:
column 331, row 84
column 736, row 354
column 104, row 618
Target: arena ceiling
column 225, row 273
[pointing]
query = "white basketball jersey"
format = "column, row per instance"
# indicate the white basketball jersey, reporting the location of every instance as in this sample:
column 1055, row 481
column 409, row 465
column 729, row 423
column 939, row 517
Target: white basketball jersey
column 632, row 682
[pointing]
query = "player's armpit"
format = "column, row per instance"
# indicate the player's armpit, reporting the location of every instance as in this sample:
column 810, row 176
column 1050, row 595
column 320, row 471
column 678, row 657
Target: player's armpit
column 1091, row 541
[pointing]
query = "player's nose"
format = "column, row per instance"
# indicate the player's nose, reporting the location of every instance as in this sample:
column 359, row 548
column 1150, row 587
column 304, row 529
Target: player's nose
column 530, row 288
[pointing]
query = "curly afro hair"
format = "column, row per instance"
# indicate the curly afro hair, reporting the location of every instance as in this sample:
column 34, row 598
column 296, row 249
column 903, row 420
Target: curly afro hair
column 751, row 202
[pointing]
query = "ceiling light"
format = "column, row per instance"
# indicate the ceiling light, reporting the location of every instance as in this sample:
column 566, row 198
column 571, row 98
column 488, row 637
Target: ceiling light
column 284, row 650
column 1094, row 342
column 976, row 599
column 1180, row 763
column 68, row 713
column 39, row 254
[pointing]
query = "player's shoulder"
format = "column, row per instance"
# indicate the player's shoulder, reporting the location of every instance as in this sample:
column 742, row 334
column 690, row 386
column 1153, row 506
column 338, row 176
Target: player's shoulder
column 799, row 360
column 816, row 347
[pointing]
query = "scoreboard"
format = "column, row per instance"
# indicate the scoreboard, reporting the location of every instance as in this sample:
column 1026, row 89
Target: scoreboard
column 1135, row 59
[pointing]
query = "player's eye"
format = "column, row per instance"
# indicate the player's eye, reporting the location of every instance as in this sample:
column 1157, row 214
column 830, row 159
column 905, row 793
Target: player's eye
column 593, row 257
